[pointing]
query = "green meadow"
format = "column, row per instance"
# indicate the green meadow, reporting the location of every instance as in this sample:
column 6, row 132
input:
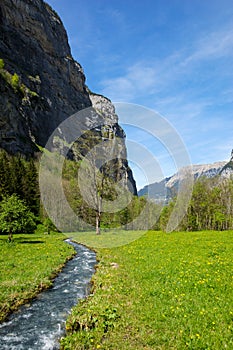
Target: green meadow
column 161, row 291
column 108, row 238
column 28, row 265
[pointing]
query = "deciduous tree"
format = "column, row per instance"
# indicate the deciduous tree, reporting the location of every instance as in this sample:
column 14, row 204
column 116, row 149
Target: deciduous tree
column 15, row 216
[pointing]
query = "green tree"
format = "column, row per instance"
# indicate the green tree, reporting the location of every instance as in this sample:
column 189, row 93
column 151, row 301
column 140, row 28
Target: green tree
column 15, row 216
column 211, row 205
column 16, row 174
column 30, row 186
column 19, row 176
column 165, row 215
column 98, row 178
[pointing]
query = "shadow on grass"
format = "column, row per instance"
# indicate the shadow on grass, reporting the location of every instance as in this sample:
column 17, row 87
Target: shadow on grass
column 27, row 240
column 30, row 242
column 20, row 240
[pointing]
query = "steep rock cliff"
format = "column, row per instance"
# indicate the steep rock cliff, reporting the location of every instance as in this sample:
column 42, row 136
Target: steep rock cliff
column 106, row 109
column 34, row 45
column 41, row 84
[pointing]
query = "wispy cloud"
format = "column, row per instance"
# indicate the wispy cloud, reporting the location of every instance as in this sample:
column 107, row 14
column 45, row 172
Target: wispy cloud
column 138, row 79
column 212, row 46
column 153, row 76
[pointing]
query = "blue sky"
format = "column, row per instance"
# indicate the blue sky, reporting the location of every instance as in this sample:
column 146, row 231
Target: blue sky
column 172, row 56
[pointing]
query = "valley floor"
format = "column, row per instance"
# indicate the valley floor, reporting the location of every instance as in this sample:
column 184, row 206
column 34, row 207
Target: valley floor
column 162, row 291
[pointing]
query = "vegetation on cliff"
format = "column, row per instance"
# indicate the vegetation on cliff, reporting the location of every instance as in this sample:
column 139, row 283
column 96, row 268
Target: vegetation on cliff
column 14, row 81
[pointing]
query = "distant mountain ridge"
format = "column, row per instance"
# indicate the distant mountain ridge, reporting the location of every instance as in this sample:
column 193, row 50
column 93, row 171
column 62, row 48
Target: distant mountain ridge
column 227, row 169
column 164, row 190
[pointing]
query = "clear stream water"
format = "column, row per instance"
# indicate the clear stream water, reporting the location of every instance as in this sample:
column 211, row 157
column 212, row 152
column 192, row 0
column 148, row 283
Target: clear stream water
column 40, row 325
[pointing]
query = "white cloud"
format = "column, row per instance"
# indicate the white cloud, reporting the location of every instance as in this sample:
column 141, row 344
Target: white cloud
column 152, row 76
column 139, row 79
column 212, row 46
column 118, row 89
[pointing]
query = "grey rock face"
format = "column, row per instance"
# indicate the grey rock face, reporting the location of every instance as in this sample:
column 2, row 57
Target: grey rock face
column 106, row 109
column 34, row 45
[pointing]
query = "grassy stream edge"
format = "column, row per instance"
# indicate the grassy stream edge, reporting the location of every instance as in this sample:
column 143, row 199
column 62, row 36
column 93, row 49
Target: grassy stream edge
column 29, row 266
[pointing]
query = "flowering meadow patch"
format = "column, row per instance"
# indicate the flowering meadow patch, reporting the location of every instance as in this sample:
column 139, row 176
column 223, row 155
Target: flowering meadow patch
column 162, row 291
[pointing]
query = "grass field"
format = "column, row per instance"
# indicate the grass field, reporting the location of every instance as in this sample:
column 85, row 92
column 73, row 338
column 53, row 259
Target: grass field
column 162, row 291
column 27, row 266
column 107, row 239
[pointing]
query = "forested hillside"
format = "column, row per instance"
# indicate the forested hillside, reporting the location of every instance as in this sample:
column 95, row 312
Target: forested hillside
column 210, row 208
column 19, row 176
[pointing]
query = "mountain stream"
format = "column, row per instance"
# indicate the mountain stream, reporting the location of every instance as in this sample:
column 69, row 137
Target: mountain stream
column 39, row 325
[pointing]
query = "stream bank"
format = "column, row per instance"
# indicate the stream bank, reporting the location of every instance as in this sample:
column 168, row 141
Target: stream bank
column 40, row 324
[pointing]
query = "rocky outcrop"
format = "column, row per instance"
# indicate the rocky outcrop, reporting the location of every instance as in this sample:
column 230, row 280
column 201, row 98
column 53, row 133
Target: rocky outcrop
column 114, row 132
column 227, row 170
column 34, row 45
column 41, row 85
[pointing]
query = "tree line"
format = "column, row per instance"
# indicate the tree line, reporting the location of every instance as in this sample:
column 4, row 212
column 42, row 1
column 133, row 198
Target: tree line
column 210, row 207
column 19, row 194
column 20, row 177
